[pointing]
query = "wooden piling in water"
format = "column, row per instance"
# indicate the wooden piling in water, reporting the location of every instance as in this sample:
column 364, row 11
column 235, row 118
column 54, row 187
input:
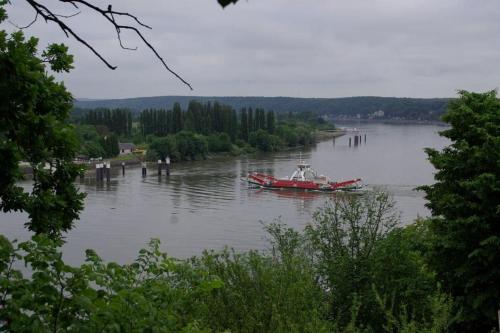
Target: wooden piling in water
column 167, row 165
column 349, row 142
column 159, row 168
column 108, row 172
column 101, row 172
column 355, row 140
column 365, row 138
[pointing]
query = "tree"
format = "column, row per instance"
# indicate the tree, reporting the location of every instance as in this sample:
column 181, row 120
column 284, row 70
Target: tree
column 251, row 127
column 264, row 141
column 177, row 118
column 465, row 204
column 244, row 125
column 164, row 147
column 110, row 145
column 343, row 236
column 271, row 122
column 34, row 109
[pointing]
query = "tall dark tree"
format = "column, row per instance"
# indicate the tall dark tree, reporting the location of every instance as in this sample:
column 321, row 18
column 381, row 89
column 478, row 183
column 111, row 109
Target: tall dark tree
column 176, row 118
column 251, row 127
column 271, row 122
column 244, row 125
column 110, row 145
column 465, row 204
column 234, row 125
column 261, row 119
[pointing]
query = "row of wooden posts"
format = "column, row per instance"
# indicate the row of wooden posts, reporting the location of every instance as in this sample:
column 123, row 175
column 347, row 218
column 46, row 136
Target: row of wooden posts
column 103, row 170
column 357, row 140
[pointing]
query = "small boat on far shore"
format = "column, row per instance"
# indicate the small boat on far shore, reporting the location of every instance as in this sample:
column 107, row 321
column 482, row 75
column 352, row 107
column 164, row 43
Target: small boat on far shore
column 304, row 178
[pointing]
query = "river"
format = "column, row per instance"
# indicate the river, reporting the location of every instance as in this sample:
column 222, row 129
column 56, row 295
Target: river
column 205, row 205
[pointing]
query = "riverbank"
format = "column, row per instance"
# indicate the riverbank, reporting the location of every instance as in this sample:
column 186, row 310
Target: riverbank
column 134, row 160
column 323, row 135
column 389, row 121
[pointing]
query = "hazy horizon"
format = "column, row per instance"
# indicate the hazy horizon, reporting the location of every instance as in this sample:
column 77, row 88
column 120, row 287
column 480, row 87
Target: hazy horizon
column 255, row 96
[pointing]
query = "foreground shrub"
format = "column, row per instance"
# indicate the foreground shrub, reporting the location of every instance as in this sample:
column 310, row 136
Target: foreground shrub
column 352, row 270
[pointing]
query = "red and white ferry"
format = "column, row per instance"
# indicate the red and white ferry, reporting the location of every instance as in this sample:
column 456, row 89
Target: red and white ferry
column 304, row 178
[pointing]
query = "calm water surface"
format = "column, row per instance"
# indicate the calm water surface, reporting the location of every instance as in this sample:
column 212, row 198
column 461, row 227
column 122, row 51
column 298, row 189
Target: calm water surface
column 206, row 205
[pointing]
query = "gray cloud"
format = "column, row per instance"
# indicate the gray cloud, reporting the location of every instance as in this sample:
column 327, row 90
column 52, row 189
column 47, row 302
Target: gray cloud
column 322, row 48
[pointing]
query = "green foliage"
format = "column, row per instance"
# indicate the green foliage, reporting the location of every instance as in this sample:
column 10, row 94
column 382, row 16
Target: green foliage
column 191, row 145
column 295, row 134
column 263, row 293
column 368, row 264
column 465, row 204
column 350, row 271
column 90, row 141
column 264, row 141
column 182, row 146
column 177, row 118
column 270, row 122
column 164, row 147
column 219, row 142
column 214, row 121
column 155, row 293
column 34, row 109
column 58, row 58
column 110, row 145
column 118, row 121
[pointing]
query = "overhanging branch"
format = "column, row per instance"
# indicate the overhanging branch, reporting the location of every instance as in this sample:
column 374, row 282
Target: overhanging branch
column 111, row 16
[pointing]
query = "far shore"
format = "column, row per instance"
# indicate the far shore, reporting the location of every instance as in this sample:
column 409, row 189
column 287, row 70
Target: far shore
column 133, row 159
column 390, row 121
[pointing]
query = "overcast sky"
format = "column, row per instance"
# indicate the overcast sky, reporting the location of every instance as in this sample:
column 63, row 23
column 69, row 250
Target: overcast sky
column 320, row 48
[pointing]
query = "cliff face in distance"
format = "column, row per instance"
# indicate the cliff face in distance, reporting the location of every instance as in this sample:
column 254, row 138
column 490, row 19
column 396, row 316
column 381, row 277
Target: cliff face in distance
column 364, row 107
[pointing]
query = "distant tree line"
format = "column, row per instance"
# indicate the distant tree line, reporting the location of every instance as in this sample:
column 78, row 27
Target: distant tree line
column 118, row 121
column 192, row 133
column 348, row 107
column 206, row 119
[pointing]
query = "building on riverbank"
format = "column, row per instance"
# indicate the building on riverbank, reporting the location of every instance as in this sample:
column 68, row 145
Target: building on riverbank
column 126, row 148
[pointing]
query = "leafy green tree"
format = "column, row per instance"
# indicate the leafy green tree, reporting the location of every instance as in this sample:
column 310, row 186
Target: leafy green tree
column 34, row 109
column 343, row 236
column 219, row 142
column 110, row 145
column 190, row 145
column 366, row 263
column 163, row 147
column 264, row 141
column 93, row 149
column 465, row 204
column 90, row 141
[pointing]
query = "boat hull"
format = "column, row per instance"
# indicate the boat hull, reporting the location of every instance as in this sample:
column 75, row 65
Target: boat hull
column 267, row 181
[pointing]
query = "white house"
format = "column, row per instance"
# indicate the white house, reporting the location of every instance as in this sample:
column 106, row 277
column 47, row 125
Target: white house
column 126, row 148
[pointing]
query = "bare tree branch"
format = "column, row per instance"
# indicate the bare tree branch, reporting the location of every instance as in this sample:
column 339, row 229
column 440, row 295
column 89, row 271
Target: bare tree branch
column 27, row 26
column 68, row 16
column 109, row 14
